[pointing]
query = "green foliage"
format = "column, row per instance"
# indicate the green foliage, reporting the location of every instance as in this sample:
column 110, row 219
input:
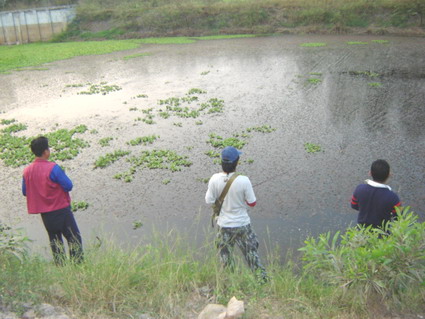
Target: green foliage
column 313, row 44
column 364, row 261
column 101, row 88
column 34, row 54
column 109, row 158
column 12, row 243
column 220, row 142
column 136, row 55
column 15, row 150
column 312, row 148
column 156, row 159
column 145, row 140
column 14, row 128
column 76, row 206
column 375, row 84
column 7, row 122
column 105, row 141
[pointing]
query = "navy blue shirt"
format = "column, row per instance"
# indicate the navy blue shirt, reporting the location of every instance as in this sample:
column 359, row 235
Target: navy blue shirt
column 375, row 204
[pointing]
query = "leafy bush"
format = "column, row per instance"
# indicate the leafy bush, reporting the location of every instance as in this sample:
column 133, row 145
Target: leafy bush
column 365, row 261
column 12, row 243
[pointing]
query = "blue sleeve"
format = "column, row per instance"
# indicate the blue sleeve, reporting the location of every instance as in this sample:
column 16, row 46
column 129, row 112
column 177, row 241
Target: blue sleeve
column 57, row 175
column 24, row 187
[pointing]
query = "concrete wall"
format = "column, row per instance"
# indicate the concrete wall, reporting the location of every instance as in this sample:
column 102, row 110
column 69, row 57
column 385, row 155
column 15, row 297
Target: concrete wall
column 34, row 24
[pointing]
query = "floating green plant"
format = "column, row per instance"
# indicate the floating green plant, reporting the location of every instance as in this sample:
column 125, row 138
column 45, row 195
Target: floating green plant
column 375, row 84
column 313, row 44
column 262, row 129
column 196, row 91
column 14, row 128
column 145, row 140
column 7, row 122
column 101, row 88
column 137, row 224
column 212, row 154
column 203, row 180
column 370, row 74
column 356, row 43
column 178, row 124
column 105, row 141
column 76, row 206
column 110, row 158
column 141, row 96
column 156, row 159
column 220, row 142
column 136, row 55
column 381, row 41
column 199, row 122
column 15, row 150
column 205, row 72
column 132, row 109
column 166, row 181
column 312, row 148
column 314, row 80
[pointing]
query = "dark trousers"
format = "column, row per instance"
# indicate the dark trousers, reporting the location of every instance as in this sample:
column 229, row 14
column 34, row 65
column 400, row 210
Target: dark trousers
column 62, row 222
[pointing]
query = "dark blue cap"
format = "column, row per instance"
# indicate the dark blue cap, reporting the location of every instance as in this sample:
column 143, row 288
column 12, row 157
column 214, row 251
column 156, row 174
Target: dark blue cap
column 230, row 154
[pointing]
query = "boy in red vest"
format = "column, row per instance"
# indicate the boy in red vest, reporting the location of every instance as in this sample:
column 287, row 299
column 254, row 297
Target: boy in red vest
column 47, row 187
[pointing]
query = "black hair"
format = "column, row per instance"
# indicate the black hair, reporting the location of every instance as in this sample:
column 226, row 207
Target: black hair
column 380, row 170
column 39, row 145
column 229, row 167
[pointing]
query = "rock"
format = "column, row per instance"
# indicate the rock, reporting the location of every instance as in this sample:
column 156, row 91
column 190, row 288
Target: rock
column 234, row 310
column 212, row 311
column 8, row 315
column 29, row 314
column 46, row 310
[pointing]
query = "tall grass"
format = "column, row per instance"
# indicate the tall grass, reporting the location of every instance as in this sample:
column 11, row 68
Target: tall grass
column 171, row 278
column 206, row 17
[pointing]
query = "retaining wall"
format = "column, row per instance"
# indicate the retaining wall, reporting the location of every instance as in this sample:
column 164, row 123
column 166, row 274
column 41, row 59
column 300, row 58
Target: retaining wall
column 34, row 25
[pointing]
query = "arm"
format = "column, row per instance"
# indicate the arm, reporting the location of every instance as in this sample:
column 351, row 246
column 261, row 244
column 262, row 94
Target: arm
column 24, row 187
column 57, row 175
column 354, row 203
column 250, row 198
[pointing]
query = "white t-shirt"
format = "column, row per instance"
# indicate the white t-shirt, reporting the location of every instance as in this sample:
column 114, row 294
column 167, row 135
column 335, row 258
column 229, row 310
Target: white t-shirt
column 234, row 212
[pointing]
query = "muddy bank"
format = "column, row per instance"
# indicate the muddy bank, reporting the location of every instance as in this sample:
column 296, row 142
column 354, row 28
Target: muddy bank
column 356, row 98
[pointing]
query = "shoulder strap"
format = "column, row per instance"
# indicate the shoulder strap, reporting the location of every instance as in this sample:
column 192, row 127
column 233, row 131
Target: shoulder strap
column 226, row 188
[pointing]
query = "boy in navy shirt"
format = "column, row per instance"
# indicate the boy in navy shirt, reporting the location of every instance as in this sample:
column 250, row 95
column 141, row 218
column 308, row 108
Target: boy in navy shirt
column 375, row 200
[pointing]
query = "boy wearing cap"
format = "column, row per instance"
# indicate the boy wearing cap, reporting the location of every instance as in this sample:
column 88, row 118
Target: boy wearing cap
column 233, row 221
column 375, row 200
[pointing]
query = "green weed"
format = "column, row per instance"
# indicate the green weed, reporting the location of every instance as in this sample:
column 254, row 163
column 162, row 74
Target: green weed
column 105, row 141
column 136, row 55
column 314, row 80
column 137, row 224
column 375, row 84
column 101, row 88
column 145, row 140
column 220, row 142
column 78, row 206
column 109, row 158
column 313, row 44
column 363, row 262
column 356, row 43
column 312, row 148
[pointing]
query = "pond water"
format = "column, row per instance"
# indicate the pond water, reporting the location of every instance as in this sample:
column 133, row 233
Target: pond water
column 357, row 98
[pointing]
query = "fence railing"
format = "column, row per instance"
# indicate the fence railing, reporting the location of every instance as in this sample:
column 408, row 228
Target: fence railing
column 33, row 25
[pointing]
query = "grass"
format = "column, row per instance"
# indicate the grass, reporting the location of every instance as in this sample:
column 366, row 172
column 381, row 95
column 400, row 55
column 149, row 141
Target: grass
column 313, row 44
column 35, row 54
column 172, row 277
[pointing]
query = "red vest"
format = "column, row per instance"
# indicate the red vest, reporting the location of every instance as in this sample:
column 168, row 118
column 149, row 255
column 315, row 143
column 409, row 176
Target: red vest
column 43, row 195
